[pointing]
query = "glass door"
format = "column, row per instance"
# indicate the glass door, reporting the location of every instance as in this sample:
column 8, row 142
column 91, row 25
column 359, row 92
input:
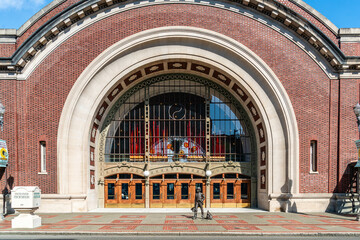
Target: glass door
column 124, row 191
column 170, row 193
column 137, row 193
column 111, row 194
column 125, row 194
column 244, row 198
column 156, row 193
column 217, row 193
column 231, row 193
column 184, row 200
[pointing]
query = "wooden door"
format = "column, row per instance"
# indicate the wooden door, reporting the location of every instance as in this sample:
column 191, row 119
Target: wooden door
column 156, row 193
column 184, row 194
column 231, row 194
column 245, row 197
column 111, row 194
column 137, row 194
column 216, row 194
column 125, row 193
column 171, row 193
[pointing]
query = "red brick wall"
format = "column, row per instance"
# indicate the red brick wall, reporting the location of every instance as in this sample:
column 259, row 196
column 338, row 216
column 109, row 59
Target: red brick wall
column 333, row 115
column 7, row 49
column 42, row 96
column 350, row 49
column 349, row 96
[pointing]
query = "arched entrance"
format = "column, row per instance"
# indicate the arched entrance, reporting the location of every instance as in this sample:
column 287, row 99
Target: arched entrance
column 204, row 53
column 185, row 120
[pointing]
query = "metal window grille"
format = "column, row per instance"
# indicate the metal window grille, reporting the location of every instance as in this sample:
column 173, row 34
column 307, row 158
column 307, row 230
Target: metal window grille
column 176, row 112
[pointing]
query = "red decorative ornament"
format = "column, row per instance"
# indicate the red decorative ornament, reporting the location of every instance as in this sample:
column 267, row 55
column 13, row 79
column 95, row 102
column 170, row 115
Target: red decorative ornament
column 193, row 149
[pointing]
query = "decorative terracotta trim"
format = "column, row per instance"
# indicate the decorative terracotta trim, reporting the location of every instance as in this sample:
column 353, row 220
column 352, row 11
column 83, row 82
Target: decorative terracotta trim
column 295, row 23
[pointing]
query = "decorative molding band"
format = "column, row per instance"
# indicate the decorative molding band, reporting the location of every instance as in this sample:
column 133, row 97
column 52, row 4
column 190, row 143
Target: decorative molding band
column 256, row 9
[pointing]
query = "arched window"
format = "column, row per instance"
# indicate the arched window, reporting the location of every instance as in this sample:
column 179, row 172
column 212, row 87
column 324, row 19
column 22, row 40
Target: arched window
column 178, row 120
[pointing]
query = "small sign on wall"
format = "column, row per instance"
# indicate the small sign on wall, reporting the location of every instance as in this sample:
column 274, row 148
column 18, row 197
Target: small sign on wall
column 3, row 154
column 357, row 142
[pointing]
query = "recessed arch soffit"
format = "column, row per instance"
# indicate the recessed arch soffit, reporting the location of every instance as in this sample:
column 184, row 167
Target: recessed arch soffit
column 270, row 13
column 175, row 69
column 171, row 69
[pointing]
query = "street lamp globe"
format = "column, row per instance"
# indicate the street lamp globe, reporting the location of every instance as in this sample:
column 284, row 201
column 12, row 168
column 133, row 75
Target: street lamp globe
column 146, row 173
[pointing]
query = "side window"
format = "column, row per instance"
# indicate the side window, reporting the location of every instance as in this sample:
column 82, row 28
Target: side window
column 42, row 157
column 313, row 156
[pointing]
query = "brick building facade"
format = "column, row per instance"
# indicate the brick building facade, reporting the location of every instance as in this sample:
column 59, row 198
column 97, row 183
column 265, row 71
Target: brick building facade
column 282, row 76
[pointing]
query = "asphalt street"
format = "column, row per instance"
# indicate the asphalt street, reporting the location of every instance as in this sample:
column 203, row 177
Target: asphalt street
column 93, row 237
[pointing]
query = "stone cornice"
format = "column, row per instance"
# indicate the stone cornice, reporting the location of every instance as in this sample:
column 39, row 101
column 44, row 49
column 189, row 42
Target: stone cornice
column 39, row 15
column 349, row 35
column 321, row 18
column 266, row 9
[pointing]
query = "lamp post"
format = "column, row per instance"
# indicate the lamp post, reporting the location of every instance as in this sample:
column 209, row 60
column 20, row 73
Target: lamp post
column 3, row 159
column 2, row 111
column 357, row 165
column 147, row 186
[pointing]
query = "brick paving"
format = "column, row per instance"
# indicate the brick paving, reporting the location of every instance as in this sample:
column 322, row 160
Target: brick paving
column 231, row 223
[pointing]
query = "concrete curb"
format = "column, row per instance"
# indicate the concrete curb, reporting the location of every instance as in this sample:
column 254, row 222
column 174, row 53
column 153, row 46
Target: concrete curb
column 306, row 234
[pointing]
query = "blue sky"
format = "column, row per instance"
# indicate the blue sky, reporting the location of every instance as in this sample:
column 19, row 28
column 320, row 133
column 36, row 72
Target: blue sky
column 343, row 13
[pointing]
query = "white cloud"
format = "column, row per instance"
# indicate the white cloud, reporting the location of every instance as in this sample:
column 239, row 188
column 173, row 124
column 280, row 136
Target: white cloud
column 4, row 4
column 20, row 4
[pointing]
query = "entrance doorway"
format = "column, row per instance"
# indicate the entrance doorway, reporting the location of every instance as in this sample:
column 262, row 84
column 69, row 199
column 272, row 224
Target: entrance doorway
column 124, row 191
column 181, row 119
column 230, row 191
column 174, row 190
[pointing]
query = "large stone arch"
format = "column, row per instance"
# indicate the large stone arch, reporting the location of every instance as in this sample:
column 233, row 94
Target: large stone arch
column 189, row 71
column 198, row 45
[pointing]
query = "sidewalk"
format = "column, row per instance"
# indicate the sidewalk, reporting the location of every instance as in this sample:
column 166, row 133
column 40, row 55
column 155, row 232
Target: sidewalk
column 244, row 223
